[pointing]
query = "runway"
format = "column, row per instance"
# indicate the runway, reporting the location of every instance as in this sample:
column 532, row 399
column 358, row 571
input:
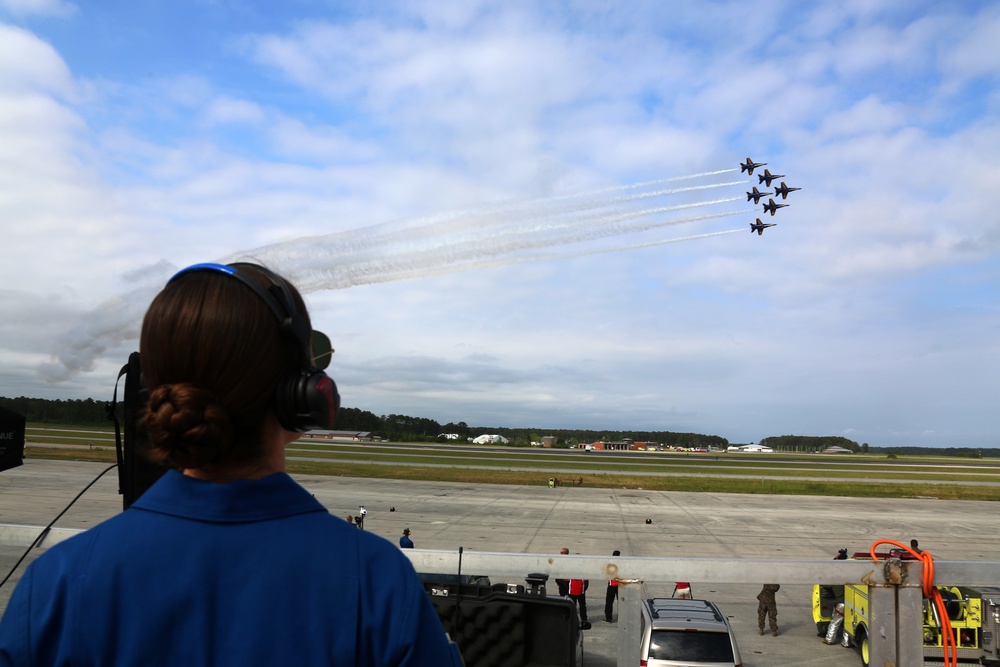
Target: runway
column 541, row 520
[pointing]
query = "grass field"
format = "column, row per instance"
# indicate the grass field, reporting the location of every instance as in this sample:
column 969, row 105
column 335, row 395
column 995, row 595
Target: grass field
column 787, row 474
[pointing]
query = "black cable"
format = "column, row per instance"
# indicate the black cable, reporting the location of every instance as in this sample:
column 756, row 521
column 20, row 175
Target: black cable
column 455, row 626
column 45, row 531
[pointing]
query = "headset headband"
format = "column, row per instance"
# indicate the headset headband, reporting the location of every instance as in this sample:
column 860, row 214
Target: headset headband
column 283, row 311
column 278, row 298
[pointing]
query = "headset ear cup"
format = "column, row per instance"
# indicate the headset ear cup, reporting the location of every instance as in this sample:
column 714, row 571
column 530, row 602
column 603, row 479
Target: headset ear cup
column 324, row 397
column 306, row 400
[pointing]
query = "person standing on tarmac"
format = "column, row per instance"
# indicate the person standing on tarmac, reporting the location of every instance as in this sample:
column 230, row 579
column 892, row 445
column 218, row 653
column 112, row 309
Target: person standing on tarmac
column 767, row 607
column 404, row 540
column 576, row 590
column 611, row 595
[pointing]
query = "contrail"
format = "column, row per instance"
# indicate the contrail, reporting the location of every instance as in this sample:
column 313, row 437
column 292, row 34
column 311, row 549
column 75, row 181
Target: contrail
column 409, row 223
column 490, row 235
column 508, row 261
column 520, row 215
column 309, row 265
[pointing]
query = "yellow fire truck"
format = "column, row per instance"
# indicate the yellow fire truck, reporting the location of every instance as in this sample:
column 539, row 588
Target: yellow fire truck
column 974, row 615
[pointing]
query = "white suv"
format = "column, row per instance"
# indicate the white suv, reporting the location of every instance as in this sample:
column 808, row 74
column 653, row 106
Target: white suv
column 686, row 632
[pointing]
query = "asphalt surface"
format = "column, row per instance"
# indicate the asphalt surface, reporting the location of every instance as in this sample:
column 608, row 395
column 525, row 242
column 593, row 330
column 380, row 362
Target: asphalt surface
column 534, row 519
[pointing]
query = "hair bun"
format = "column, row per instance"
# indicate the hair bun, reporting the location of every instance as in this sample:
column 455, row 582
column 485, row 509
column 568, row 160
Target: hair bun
column 188, row 427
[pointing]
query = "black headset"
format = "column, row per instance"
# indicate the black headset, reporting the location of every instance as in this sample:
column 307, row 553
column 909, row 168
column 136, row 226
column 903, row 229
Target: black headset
column 306, row 398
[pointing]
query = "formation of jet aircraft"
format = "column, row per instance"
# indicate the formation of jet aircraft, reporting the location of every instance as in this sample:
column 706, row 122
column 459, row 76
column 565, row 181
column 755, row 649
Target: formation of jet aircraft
column 756, row 195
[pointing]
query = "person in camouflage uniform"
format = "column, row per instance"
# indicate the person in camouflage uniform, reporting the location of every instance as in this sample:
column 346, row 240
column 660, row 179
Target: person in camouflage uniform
column 768, row 607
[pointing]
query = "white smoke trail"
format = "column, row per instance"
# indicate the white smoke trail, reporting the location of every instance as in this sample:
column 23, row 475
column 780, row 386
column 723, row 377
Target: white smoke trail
column 310, row 263
column 486, row 236
column 393, row 226
column 552, row 257
column 517, row 217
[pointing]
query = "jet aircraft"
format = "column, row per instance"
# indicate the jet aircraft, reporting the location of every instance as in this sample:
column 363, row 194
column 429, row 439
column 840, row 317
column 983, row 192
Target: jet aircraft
column 767, row 177
column 772, row 207
column 760, row 227
column 756, row 195
column 783, row 191
column 750, row 165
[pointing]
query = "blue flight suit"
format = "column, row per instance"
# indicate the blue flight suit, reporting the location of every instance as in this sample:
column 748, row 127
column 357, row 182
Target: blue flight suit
column 244, row 573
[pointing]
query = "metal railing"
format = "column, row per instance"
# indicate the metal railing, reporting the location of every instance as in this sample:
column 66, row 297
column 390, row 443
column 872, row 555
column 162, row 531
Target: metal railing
column 895, row 593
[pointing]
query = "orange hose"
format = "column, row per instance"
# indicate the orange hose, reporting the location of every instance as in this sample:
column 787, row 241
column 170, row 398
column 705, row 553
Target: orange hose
column 932, row 593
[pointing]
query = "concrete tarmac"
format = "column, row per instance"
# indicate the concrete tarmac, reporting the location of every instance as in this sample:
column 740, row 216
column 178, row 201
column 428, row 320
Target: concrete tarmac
column 535, row 519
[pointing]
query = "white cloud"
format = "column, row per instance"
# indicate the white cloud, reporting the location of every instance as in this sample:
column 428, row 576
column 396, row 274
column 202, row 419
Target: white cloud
column 26, row 8
column 972, row 52
column 224, row 111
column 28, row 63
column 868, row 116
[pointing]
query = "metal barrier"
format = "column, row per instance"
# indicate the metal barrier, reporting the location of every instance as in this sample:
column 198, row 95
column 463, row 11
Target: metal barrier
column 895, row 586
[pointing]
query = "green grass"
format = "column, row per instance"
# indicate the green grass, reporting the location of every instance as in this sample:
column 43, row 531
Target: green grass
column 706, row 473
column 106, row 454
column 629, row 463
column 679, row 483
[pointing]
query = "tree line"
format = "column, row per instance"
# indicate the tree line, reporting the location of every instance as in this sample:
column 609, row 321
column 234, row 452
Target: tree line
column 88, row 412
column 79, row 412
column 417, row 429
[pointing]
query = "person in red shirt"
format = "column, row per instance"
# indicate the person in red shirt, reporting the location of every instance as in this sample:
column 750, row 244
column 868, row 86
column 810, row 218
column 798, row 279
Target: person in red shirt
column 576, row 590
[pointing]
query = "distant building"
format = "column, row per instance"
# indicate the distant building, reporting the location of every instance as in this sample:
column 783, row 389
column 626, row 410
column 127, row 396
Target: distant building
column 622, row 446
column 449, row 436
column 549, row 440
column 754, row 449
column 836, row 450
column 490, row 440
column 364, row 436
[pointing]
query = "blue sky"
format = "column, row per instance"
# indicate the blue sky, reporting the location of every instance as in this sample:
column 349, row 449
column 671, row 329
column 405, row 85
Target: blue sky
column 527, row 214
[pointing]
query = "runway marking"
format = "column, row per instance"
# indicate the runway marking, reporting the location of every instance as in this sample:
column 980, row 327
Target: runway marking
column 628, row 535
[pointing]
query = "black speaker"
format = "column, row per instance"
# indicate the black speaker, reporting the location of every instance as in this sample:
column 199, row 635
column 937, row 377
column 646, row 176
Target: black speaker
column 136, row 473
column 12, row 426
